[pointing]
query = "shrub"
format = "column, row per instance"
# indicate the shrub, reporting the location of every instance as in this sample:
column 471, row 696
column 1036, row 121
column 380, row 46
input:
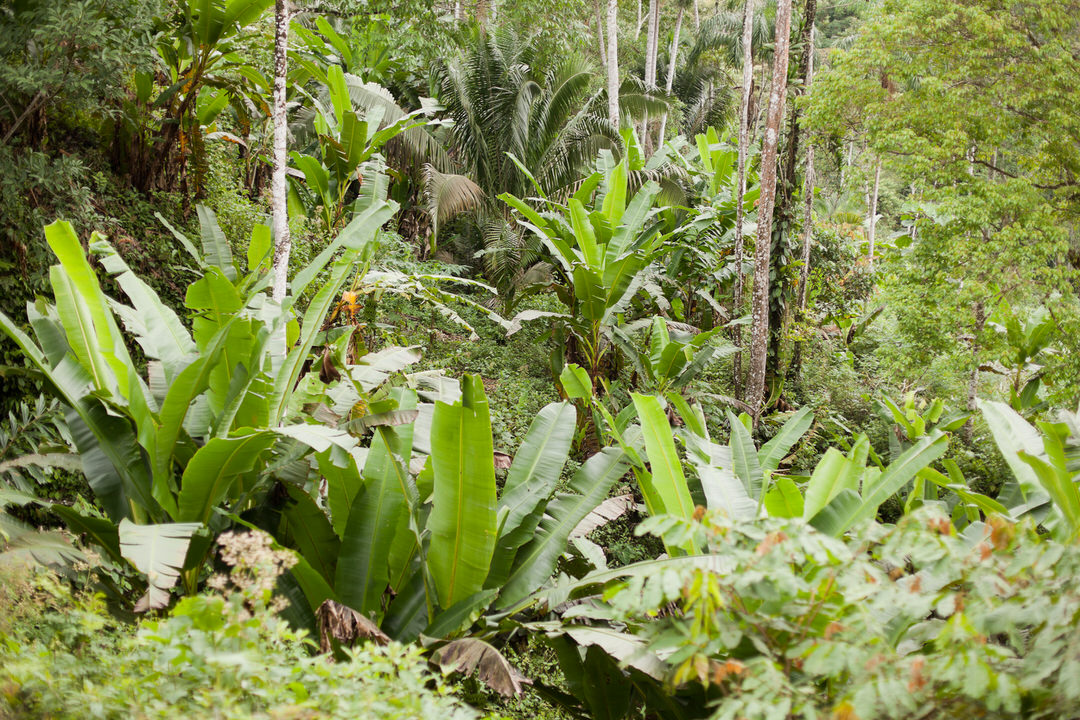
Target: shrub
column 215, row 656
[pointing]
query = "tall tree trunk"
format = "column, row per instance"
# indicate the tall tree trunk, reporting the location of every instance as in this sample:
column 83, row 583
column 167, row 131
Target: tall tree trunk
column 784, row 212
column 973, row 379
column 613, row 61
column 808, row 198
column 637, row 30
column 282, row 242
column 744, row 148
column 697, row 16
column 600, row 33
column 871, row 221
column 481, row 14
column 808, row 224
column 652, row 42
column 759, row 330
column 671, row 69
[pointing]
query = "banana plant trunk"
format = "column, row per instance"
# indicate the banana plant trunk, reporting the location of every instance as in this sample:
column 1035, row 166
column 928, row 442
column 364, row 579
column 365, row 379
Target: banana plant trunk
column 282, row 242
column 759, row 330
column 744, row 148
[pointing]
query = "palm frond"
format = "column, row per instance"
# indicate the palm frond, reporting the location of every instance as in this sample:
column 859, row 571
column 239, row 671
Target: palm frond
column 448, row 195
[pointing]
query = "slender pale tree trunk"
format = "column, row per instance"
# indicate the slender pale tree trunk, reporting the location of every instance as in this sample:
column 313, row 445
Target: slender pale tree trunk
column 871, row 221
column 637, row 30
column 808, row 223
column 697, row 16
column 651, row 43
column 613, row 61
column 759, row 330
column 808, row 195
column 744, row 149
column 973, row 379
column 282, row 242
column 600, row 33
column 670, row 83
column 457, row 10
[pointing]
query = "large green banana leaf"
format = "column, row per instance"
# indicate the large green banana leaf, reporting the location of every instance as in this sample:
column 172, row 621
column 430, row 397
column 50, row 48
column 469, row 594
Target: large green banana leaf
column 156, row 327
column 665, row 485
column 462, row 521
column 363, row 570
column 536, row 561
column 530, row 481
column 213, row 469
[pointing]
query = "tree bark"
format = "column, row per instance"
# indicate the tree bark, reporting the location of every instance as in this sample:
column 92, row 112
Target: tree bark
column 871, row 221
column 808, row 225
column 697, row 16
column 600, row 34
column 613, row 61
column 651, row 45
column 282, row 242
column 670, row 83
column 637, row 31
column 744, row 148
column 808, row 197
column 784, row 212
column 973, row 380
column 759, row 331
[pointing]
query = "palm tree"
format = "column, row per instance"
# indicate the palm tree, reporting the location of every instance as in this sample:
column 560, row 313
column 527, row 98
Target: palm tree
column 514, row 126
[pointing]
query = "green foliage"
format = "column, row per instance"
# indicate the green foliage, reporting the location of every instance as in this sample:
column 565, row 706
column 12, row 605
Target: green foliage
column 991, row 172
column 516, row 130
column 599, row 257
column 911, row 620
column 212, row 405
column 228, row 655
column 74, row 57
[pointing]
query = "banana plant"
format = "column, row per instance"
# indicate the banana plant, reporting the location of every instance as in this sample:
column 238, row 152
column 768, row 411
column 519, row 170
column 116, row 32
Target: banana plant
column 1028, row 343
column 411, row 531
column 1045, row 462
column 700, row 266
column 739, row 478
column 667, row 363
column 347, row 139
column 198, row 48
column 207, row 425
column 600, row 246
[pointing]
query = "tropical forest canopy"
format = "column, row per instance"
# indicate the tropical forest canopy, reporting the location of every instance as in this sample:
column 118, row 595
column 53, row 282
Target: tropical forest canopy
column 552, row 358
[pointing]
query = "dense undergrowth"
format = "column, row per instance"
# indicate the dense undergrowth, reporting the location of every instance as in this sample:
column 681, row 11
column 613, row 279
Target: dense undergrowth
column 494, row 452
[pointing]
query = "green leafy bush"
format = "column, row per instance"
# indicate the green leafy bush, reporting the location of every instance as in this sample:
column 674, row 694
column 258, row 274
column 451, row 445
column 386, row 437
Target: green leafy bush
column 915, row 620
column 220, row 656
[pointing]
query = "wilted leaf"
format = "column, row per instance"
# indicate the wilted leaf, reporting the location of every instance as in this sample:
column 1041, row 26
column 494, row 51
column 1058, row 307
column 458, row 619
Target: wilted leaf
column 470, row 655
column 340, row 623
column 605, row 512
column 159, row 552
